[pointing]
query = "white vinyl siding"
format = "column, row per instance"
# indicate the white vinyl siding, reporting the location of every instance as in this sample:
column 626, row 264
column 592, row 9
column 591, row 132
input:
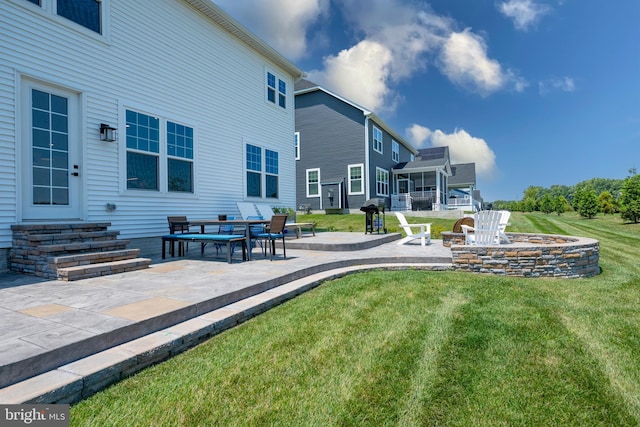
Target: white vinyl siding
column 119, row 72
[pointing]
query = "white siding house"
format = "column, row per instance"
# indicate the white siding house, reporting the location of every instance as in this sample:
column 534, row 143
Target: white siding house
column 194, row 97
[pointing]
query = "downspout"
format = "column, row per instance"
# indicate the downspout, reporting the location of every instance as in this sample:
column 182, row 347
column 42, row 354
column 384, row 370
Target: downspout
column 366, row 158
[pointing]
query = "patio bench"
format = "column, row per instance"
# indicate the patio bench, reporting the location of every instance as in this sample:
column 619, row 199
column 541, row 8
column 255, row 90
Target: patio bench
column 298, row 226
column 204, row 239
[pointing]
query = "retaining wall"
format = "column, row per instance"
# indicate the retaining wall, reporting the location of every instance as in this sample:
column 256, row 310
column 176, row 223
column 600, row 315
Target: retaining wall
column 528, row 255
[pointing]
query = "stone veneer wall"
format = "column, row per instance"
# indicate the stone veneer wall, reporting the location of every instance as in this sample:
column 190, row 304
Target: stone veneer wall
column 528, row 255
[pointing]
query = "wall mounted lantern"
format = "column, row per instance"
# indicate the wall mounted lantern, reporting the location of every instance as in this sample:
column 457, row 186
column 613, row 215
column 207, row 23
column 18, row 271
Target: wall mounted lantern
column 107, row 133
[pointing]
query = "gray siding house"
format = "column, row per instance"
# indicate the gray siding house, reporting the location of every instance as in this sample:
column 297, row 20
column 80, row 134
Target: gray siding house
column 345, row 154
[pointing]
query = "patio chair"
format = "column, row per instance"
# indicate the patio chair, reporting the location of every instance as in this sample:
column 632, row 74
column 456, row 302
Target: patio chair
column 486, row 229
column 273, row 232
column 255, row 230
column 247, row 209
column 504, row 221
column 225, row 229
column 265, row 210
column 423, row 234
column 179, row 225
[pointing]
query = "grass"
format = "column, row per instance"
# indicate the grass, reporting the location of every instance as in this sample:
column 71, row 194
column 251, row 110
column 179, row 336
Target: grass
column 416, row 348
column 356, row 223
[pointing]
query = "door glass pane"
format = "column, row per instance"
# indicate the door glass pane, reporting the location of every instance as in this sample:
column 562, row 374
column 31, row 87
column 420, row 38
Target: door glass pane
column 41, row 158
column 60, row 141
column 40, row 119
column 41, row 177
column 41, row 138
column 60, row 159
column 41, row 196
column 50, row 152
column 60, row 196
column 60, row 178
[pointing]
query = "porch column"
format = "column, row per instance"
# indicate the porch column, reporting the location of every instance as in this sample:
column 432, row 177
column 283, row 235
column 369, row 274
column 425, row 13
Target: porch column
column 436, row 206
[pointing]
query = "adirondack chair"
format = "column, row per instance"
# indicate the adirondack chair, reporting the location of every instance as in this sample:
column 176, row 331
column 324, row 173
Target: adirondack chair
column 504, row 221
column 486, row 229
column 423, row 234
column 265, row 210
column 247, row 209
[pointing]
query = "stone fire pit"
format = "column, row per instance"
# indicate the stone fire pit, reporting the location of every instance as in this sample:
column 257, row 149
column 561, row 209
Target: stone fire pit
column 528, row 255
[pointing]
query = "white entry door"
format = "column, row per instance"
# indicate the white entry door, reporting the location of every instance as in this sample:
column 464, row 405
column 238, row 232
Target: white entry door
column 51, row 153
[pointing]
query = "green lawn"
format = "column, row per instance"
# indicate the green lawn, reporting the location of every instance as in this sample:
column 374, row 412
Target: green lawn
column 416, row 348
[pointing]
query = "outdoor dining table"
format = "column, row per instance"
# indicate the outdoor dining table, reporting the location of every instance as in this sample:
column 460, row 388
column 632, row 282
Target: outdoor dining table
column 247, row 223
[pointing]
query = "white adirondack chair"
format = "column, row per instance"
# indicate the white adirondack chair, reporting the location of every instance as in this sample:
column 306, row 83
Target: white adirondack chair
column 504, row 221
column 247, row 209
column 265, row 210
column 424, row 234
column 486, row 229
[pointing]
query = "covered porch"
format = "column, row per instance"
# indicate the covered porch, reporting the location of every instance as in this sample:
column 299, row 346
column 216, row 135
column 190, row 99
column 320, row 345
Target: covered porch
column 420, row 188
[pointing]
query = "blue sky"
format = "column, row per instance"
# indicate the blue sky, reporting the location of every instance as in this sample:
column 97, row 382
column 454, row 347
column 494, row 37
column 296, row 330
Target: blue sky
column 535, row 92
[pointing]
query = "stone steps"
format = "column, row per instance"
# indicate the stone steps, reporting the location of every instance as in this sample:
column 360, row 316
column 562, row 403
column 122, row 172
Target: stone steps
column 71, row 251
column 102, row 269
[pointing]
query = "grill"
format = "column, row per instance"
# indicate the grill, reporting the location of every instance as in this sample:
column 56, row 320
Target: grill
column 372, row 209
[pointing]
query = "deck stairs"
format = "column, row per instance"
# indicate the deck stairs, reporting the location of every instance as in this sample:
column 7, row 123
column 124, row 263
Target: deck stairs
column 72, row 251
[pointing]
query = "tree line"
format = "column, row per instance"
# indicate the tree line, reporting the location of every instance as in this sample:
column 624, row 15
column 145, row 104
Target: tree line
column 588, row 198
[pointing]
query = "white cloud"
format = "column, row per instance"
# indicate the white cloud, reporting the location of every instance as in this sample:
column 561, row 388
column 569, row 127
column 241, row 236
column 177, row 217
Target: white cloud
column 563, row 84
column 360, row 74
column 396, row 40
column 463, row 148
column 393, row 41
column 524, row 13
column 465, row 62
column 282, row 23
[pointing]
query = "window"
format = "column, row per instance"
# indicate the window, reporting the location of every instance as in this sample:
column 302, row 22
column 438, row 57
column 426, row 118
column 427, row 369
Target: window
column 179, row 157
column 276, row 90
column 296, row 142
column 395, row 151
column 87, row 13
column 382, row 182
column 377, row 140
column 83, row 12
column 313, row 182
column 271, row 176
column 355, row 179
column 255, row 172
column 154, row 157
column 143, row 151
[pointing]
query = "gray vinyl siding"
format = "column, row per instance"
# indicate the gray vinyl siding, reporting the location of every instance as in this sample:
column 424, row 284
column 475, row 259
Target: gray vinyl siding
column 385, row 160
column 331, row 138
